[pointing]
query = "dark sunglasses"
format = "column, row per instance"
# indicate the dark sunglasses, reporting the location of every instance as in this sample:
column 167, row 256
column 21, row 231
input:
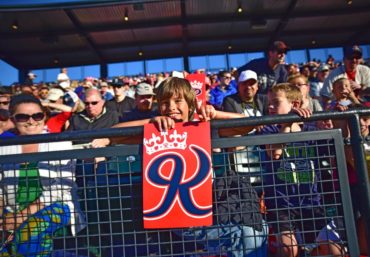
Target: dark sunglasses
column 281, row 51
column 4, row 115
column 4, row 103
column 21, row 117
column 117, row 86
column 91, row 103
column 227, row 77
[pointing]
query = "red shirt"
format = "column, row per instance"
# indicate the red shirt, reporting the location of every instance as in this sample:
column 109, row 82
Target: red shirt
column 56, row 123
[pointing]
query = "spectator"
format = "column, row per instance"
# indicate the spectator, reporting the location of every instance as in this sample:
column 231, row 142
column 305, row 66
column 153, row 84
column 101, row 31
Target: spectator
column 317, row 83
column 344, row 95
column 144, row 98
column 6, row 124
column 30, row 78
column 43, row 92
column 224, row 88
column 38, row 195
column 121, row 103
column 105, row 92
column 247, row 101
column 63, row 77
column 358, row 74
column 289, row 200
column 176, row 101
column 270, row 70
column 301, row 82
column 4, row 98
column 95, row 115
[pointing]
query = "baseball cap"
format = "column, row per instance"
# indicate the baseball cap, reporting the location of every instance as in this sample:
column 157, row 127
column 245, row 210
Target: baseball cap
column 54, row 94
column 104, row 84
column 324, row 67
column 278, row 46
column 350, row 51
column 31, row 74
column 70, row 98
column 247, row 75
column 144, row 89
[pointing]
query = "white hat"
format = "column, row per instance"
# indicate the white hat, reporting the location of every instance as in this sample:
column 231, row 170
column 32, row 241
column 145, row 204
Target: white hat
column 247, row 75
column 54, row 94
column 144, row 89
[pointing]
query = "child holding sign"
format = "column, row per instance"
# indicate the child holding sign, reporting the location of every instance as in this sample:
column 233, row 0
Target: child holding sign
column 234, row 233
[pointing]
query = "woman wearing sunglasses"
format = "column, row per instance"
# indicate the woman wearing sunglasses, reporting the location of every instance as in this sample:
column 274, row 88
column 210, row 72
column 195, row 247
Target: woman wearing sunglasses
column 36, row 198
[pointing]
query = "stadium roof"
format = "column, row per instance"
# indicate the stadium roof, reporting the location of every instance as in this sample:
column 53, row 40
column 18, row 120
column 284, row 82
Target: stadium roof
column 71, row 33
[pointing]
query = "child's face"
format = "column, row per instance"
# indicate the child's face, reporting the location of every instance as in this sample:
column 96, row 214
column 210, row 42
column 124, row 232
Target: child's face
column 364, row 124
column 278, row 103
column 302, row 85
column 175, row 107
column 341, row 89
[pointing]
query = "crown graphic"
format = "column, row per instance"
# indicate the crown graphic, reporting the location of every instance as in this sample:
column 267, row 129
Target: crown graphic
column 165, row 142
column 196, row 84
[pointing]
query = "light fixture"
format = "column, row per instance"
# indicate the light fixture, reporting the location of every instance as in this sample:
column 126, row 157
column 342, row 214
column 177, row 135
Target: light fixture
column 313, row 42
column 15, row 25
column 229, row 47
column 140, row 53
column 56, row 61
column 240, row 9
column 126, row 15
column 349, row 2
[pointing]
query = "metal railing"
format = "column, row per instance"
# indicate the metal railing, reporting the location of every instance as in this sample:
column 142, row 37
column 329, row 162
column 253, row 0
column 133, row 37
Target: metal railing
column 110, row 191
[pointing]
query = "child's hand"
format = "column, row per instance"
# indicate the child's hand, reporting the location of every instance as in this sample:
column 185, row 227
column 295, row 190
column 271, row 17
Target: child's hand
column 340, row 107
column 206, row 112
column 163, row 123
column 302, row 112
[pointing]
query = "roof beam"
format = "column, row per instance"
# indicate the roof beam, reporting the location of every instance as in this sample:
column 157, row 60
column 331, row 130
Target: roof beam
column 271, row 15
column 316, row 32
column 90, row 42
column 283, row 22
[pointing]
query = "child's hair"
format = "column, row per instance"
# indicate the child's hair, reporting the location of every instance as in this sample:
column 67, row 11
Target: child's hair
column 177, row 86
column 339, row 80
column 297, row 75
column 292, row 92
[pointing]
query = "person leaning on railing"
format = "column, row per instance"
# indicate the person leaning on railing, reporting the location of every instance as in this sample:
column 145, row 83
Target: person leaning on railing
column 37, row 197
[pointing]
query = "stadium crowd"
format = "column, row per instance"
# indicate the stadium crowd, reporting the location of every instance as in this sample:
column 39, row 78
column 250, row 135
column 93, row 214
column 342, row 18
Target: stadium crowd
column 265, row 86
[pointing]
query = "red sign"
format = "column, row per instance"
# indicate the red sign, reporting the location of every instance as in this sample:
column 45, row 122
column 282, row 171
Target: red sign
column 177, row 178
column 198, row 83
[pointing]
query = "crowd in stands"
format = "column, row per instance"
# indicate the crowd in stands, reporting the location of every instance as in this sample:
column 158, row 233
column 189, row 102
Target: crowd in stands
column 265, row 86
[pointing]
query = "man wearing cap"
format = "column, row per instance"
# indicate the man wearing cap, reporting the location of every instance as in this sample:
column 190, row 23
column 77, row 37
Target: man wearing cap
column 317, row 84
column 63, row 77
column 120, row 103
column 29, row 79
column 247, row 100
column 270, row 70
column 145, row 108
column 251, row 104
column 358, row 74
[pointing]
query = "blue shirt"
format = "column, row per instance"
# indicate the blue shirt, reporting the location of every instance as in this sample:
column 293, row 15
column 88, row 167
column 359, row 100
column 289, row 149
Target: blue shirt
column 292, row 181
column 217, row 95
column 6, row 134
column 267, row 77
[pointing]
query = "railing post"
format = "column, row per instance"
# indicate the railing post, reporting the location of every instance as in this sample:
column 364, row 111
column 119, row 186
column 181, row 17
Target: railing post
column 361, row 170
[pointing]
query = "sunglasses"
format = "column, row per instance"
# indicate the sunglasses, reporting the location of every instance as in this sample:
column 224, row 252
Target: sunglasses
column 4, row 103
column 4, row 115
column 91, row 103
column 21, row 117
column 117, row 86
column 227, row 77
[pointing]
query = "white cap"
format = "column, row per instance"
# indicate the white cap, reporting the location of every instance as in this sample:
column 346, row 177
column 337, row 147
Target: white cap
column 54, row 94
column 247, row 75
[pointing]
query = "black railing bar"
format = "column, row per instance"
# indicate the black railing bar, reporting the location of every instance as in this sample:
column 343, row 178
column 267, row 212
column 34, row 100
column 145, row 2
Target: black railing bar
column 257, row 140
column 215, row 124
column 111, row 151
